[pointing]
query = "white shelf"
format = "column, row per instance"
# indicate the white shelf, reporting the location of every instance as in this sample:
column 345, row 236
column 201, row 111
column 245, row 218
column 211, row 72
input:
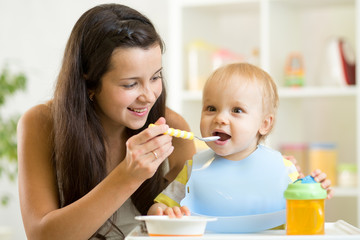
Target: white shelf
column 302, row 92
column 211, row 3
column 318, row 92
column 346, row 192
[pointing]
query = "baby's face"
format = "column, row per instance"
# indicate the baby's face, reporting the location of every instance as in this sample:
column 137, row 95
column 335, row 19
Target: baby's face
column 233, row 111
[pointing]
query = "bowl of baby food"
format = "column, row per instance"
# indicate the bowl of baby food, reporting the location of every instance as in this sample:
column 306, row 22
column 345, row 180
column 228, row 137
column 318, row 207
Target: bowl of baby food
column 184, row 226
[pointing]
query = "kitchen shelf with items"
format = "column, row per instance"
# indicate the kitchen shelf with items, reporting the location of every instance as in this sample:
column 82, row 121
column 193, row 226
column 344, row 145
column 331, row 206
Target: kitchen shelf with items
column 308, row 47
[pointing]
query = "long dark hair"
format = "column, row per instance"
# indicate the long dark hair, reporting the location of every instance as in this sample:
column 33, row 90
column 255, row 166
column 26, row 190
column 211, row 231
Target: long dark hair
column 79, row 142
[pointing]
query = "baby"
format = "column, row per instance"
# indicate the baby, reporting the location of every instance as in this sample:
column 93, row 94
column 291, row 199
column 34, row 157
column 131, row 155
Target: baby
column 237, row 175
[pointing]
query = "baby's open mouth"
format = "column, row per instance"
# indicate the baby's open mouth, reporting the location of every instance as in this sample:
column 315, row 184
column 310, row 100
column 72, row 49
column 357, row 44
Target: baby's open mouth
column 223, row 136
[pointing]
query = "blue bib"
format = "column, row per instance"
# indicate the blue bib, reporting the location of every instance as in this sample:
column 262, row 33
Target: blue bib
column 251, row 186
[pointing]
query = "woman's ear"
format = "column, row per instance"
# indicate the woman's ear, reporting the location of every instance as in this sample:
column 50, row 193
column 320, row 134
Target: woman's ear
column 91, row 95
column 267, row 124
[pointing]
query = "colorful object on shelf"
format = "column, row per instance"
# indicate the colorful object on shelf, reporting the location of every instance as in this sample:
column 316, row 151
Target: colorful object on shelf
column 294, row 71
column 187, row 135
column 223, row 56
column 305, row 214
column 200, row 65
column 341, row 62
column 324, row 156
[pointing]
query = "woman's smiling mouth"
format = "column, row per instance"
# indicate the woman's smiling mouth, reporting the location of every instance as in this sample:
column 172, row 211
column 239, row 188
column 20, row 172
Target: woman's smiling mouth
column 138, row 111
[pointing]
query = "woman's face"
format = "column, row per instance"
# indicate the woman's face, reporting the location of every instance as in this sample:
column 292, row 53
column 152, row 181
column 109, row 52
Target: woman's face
column 130, row 87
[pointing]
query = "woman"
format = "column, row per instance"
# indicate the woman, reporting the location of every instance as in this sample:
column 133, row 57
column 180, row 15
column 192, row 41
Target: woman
column 87, row 161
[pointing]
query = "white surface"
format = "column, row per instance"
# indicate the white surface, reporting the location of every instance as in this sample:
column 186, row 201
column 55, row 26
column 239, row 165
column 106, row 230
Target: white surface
column 340, row 230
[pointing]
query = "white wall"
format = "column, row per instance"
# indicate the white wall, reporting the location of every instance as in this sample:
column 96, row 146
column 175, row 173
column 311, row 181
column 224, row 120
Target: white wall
column 33, row 34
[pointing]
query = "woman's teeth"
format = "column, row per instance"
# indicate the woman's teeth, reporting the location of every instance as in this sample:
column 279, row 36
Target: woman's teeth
column 138, row 110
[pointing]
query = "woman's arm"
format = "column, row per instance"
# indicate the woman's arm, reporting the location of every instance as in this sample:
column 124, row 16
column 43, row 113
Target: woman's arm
column 39, row 200
column 183, row 149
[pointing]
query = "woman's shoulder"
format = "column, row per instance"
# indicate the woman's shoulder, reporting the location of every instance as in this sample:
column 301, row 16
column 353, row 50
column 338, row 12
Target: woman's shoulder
column 175, row 120
column 38, row 116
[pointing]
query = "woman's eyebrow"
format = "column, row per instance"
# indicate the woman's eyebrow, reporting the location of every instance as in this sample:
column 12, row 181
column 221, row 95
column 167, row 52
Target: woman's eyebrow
column 134, row 78
column 158, row 70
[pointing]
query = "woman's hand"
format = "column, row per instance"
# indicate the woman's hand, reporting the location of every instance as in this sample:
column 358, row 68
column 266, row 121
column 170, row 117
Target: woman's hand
column 320, row 177
column 161, row 209
column 147, row 150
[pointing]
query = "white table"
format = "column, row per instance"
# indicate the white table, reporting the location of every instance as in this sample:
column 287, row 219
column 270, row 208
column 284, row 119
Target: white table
column 339, row 230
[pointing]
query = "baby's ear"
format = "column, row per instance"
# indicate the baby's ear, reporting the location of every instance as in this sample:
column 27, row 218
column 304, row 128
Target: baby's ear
column 267, row 124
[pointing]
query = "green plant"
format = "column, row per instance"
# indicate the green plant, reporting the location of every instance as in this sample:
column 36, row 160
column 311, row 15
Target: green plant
column 9, row 85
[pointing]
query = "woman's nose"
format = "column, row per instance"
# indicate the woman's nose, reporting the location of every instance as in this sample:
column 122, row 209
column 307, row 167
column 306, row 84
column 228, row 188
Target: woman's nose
column 147, row 94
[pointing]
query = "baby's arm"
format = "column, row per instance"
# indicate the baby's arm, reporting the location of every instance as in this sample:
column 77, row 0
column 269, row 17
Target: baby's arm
column 168, row 201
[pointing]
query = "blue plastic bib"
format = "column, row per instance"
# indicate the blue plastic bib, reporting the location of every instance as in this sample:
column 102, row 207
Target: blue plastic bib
column 251, row 186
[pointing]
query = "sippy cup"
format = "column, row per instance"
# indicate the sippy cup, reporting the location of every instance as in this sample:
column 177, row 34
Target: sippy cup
column 305, row 207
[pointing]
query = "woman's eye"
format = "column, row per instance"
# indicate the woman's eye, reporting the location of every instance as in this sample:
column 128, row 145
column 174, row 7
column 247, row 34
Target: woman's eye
column 237, row 110
column 131, row 85
column 156, row 77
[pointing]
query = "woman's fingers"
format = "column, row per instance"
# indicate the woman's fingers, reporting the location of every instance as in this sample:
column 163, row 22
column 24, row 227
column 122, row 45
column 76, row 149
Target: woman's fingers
column 148, row 149
column 160, row 121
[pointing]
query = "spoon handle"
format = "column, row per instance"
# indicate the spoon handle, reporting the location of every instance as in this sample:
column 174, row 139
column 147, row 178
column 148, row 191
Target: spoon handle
column 178, row 133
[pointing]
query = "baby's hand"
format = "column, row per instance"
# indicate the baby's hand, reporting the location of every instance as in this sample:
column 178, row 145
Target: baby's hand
column 320, row 177
column 173, row 212
column 161, row 209
column 294, row 161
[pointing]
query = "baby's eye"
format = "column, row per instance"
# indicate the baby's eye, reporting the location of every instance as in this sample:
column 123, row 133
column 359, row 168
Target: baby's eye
column 211, row 108
column 237, row 110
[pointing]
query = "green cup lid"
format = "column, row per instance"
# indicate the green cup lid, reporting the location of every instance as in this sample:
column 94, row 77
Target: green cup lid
column 305, row 189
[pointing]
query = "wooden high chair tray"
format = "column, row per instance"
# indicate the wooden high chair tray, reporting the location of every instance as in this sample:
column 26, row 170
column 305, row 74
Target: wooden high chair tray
column 334, row 230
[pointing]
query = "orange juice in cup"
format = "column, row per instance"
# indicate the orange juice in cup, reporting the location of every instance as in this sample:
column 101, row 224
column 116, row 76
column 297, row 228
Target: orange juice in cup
column 305, row 213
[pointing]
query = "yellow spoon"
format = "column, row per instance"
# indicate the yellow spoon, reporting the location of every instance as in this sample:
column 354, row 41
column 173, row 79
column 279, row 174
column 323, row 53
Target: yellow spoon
column 187, row 135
